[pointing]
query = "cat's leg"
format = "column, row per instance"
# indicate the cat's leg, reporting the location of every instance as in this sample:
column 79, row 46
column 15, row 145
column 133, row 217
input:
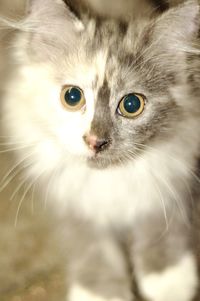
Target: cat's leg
column 165, row 267
column 97, row 268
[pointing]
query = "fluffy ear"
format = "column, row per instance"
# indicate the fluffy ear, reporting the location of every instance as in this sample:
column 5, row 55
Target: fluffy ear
column 178, row 27
column 53, row 28
column 54, row 12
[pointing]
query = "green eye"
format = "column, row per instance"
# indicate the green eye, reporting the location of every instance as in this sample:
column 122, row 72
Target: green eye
column 132, row 105
column 72, row 98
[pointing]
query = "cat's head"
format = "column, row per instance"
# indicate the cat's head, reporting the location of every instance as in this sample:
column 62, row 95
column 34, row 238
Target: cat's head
column 100, row 90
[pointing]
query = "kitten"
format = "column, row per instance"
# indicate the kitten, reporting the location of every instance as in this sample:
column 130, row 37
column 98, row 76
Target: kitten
column 107, row 111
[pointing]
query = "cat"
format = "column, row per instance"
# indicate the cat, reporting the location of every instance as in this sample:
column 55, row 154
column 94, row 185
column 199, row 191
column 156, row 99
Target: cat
column 107, row 113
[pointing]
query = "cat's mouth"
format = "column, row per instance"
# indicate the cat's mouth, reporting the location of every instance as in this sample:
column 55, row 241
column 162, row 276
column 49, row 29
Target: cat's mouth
column 99, row 161
column 110, row 158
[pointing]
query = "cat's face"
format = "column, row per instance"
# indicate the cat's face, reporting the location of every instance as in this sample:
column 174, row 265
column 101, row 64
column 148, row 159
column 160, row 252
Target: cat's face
column 100, row 91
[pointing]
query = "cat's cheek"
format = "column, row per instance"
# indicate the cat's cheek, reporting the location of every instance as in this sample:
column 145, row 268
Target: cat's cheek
column 72, row 141
column 77, row 147
column 45, row 158
column 71, row 132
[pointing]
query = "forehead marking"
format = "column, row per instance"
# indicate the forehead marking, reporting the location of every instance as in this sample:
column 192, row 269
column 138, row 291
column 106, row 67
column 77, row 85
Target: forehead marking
column 102, row 122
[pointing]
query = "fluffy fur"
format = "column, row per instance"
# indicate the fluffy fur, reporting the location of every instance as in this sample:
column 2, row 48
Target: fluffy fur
column 136, row 195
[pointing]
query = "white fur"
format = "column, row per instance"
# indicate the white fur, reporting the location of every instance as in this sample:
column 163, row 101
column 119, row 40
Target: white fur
column 116, row 194
column 78, row 293
column 176, row 283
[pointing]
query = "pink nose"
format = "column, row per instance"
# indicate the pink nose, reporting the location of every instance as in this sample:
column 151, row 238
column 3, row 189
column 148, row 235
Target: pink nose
column 94, row 143
column 91, row 140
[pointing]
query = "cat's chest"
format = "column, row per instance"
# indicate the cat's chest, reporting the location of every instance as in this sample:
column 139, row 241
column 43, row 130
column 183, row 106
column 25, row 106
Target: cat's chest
column 115, row 195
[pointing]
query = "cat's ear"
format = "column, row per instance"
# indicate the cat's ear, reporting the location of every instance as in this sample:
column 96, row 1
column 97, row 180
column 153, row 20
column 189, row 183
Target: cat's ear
column 55, row 12
column 54, row 26
column 178, row 27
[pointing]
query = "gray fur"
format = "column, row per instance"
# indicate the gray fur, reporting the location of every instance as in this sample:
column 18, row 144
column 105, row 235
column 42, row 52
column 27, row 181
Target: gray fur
column 156, row 56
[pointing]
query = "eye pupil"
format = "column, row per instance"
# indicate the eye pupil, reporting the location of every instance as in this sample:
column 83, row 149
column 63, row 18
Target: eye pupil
column 73, row 96
column 73, row 99
column 132, row 103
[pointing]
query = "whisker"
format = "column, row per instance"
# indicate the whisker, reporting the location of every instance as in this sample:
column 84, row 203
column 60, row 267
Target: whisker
column 189, row 169
column 14, row 149
column 49, row 185
column 33, row 197
column 24, row 195
column 14, row 143
column 7, row 179
column 177, row 199
column 20, row 185
column 162, row 204
column 170, row 189
column 11, row 178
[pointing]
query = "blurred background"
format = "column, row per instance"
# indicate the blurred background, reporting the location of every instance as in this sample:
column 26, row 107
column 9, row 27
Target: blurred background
column 13, row 9
column 31, row 260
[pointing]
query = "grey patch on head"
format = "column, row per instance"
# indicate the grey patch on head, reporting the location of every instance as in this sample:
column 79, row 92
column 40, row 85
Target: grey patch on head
column 123, row 28
column 107, row 33
column 193, row 71
column 148, row 73
column 102, row 122
column 102, row 126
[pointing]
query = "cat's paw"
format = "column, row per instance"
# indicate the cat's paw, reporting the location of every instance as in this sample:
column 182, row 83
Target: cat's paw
column 176, row 283
column 79, row 293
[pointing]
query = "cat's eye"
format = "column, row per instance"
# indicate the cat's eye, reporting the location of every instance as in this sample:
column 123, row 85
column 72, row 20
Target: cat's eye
column 132, row 105
column 72, row 98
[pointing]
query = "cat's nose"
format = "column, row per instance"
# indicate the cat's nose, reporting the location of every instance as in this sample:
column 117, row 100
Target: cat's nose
column 96, row 144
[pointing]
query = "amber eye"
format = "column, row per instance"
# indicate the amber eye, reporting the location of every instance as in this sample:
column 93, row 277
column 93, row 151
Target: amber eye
column 132, row 105
column 72, row 98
